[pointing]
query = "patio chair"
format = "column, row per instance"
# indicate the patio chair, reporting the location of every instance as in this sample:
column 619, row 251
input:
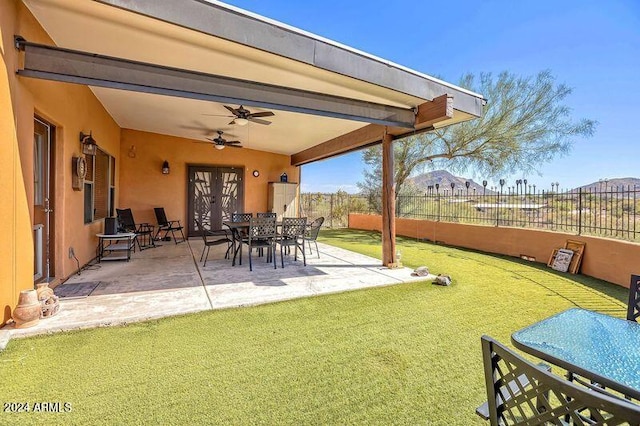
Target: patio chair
column 633, row 308
column 267, row 214
column 143, row 231
column 241, row 217
column 292, row 235
column 167, row 225
column 240, row 236
column 520, row 392
column 261, row 235
column 223, row 237
column 311, row 234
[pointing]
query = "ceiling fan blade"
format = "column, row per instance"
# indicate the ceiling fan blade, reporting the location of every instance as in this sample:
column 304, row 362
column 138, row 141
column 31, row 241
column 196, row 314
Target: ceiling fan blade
column 233, row 146
column 232, row 110
column 258, row 121
column 232, row 142
column 262, row 114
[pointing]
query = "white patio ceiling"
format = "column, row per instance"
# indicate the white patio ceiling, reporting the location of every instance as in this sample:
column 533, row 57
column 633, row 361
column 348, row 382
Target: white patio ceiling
column 95, row 27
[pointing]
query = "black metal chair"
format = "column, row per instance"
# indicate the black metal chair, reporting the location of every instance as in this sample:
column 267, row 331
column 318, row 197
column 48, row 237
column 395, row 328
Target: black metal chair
column 143, row 231
column 241, row 217
column 267, row 214
column 261, row 235
column 519, row 392
column 222, row 235
column 292, row 235
column 311, row 234
column 633, row 308
column 167, row 226
column 240, row 236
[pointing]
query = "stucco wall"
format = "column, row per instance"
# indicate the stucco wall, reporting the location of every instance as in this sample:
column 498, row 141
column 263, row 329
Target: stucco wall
column 144, row 187
column 16, row 247
column 607, row 259
column 71, row 108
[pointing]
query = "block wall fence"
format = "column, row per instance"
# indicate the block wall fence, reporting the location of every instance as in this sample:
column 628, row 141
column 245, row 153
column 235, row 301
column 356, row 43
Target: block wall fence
column 607, row 259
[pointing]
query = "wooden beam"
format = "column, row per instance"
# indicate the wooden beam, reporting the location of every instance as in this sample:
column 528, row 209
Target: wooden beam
column 388, row 203
column 428, row 114
column 359, row 138
column 439, row 109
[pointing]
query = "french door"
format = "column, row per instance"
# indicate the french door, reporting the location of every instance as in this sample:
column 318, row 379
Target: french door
column 215, row 193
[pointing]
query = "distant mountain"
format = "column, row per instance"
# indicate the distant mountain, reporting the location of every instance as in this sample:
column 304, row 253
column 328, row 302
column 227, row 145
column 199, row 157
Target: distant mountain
column 444, row 179
column 612, row 184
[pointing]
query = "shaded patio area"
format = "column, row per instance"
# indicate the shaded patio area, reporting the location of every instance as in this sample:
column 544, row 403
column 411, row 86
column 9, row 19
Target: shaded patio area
column 170, row 280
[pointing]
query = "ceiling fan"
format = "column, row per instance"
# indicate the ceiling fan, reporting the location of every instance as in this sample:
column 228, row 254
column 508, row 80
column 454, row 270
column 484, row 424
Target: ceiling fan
column 243, row 116
column 220, row 142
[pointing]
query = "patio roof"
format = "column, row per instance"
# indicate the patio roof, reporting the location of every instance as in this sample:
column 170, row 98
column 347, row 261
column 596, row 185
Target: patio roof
column 224, row 42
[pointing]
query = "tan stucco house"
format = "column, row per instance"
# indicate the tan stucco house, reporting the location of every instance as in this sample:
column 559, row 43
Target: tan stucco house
column 149, row 81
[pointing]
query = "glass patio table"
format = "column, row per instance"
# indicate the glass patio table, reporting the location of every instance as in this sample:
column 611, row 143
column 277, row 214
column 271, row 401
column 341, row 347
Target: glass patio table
column 598, row 347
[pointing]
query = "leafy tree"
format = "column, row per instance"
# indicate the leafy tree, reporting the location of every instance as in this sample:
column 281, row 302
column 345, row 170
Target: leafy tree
column 525, row 124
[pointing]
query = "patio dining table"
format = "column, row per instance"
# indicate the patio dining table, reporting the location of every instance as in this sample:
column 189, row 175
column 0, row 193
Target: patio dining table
column 598, row 347
column 236, row 228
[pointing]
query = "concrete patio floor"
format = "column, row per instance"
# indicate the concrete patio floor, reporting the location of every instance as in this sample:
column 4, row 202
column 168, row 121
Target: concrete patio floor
column 170, row 280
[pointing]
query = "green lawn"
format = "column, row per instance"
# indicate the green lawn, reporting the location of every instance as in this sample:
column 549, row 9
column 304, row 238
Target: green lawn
column 404, row 354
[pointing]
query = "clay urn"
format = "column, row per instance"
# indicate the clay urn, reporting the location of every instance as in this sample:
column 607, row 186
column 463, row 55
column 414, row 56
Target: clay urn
column 44, row 292
column 27, row 313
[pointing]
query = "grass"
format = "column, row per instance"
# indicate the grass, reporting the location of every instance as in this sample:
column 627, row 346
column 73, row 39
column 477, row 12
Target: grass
column 404, row 354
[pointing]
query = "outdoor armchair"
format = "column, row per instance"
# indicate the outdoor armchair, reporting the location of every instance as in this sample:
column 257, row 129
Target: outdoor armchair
column 143, row 231
column 221, row 237
column 261, row 235
column 311, row 234
column 633, row 308
column 240, row 234
column 267, row 214
column 292, row 235
column 167, row 226
column 519, row 392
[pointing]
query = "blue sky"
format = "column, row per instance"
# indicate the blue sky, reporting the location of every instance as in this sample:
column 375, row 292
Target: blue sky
column 592, row 46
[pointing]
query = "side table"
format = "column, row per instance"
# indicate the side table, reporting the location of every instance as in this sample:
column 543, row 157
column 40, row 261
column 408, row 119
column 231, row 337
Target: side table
column 115, row 246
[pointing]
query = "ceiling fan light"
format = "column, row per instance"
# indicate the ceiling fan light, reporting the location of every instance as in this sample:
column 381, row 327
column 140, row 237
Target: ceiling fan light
column 241, row 121
column 219, row 146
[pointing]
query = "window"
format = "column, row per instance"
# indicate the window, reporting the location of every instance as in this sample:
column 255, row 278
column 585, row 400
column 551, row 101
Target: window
column 99, row 186
column 38, row 178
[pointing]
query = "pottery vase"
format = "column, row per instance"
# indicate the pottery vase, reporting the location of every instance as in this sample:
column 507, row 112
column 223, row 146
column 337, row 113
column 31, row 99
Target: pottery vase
column 43, row 290
column 48, row 300
column 27, row 313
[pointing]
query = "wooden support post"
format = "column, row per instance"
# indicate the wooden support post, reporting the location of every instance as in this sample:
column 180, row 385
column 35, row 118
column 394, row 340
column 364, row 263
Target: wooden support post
column 388, row 203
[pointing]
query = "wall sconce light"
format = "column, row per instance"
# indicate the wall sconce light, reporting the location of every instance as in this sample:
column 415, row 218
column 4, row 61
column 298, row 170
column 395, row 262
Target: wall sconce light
column 165, row 168
column 89, row 145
